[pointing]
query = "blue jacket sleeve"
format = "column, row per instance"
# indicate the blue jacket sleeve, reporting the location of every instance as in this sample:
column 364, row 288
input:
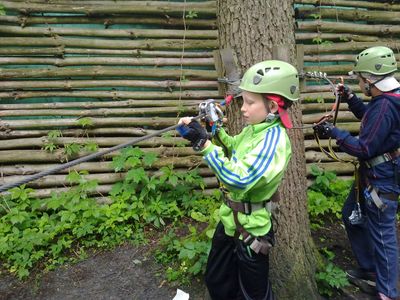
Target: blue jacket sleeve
column 357, row 107
column 377, row 122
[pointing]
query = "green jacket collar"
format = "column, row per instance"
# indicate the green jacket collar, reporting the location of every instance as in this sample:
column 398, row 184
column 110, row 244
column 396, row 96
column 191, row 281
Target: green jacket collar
column 256, row 128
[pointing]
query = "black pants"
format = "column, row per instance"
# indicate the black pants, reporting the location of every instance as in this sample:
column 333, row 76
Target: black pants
column 234, row 271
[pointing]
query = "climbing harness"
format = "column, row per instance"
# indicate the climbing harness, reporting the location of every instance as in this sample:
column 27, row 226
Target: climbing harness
column 209, row 110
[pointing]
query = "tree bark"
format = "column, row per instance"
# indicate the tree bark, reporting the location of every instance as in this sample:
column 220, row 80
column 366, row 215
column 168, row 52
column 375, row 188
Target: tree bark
column 252, row 29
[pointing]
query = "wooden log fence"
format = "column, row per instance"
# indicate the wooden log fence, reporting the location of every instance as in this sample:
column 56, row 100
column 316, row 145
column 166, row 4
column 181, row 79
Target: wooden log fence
column 129, row 68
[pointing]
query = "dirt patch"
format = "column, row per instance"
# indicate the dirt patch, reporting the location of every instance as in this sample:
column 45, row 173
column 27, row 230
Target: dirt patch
column 127, row 272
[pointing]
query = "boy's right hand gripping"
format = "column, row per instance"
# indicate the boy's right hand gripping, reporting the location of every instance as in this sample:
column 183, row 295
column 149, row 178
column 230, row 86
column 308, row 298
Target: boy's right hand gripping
column 194, row 133
column 345, row 92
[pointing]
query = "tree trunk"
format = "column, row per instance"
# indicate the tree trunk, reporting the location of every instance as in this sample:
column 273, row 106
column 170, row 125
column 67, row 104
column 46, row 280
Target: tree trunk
column 252, row 29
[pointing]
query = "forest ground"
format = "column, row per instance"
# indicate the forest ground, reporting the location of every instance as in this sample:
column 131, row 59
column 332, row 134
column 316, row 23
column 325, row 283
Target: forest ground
column 131, row 272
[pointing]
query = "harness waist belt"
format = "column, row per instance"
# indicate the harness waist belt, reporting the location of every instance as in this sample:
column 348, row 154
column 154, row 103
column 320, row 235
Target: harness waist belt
column 245, row 207
column 388, row 156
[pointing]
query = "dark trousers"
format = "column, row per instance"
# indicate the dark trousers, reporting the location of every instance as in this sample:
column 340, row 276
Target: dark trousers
column 234, row 271
column 374, row 243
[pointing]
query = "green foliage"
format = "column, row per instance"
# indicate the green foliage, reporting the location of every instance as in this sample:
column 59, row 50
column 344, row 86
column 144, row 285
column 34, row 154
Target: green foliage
column 71, row 149
column 315, row 16
column 330, row 277
column 318, row 40
column 61, row 228
column 191, row 14
column 91, row 147
column 85, row 122
column 326, row 196
column 186, row 256
column 51, row 142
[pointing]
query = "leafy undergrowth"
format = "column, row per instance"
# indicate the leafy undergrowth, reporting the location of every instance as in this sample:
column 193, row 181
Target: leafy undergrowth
column 49, row 232
column 44, row 233
column 326, row 197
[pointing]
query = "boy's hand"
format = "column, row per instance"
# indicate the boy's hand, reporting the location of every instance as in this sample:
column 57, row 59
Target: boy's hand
column 193, row 132
column 345, row 92
column 324, row 130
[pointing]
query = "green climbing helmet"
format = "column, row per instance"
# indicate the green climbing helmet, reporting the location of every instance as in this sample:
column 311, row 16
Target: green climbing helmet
column 376, row 60
column 272, row 77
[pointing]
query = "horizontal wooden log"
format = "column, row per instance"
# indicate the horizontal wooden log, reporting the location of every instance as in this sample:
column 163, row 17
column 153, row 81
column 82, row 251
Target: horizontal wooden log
column 108, row 21
column 336, row 167
column 62, row 51
column 345, row 116
column 154, row 122
column 102, row 166
column 313, row 36
column 38, row 143
column 148, row 44
column 101, row 178
column 102, row 61
column 326, row 96
column 101, row 191
column 349, row 3
column 19, row 134
column 137, row 7
column 352, row 15
column 334, row 58
column 77, row 84
column 343, row 27
column 346, row 47
column 320, row 107
column 101, row 104
column 203, row 94
column 318, row 156
column 106, row 71
column 12, row 157
column 134, row 33
column 102, row 112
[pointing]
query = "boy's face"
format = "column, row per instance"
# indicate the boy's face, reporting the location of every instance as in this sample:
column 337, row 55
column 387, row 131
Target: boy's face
column 253, row 109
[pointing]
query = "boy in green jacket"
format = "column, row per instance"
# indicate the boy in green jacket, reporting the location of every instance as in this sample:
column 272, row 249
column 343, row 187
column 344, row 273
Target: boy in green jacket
column 250, row 169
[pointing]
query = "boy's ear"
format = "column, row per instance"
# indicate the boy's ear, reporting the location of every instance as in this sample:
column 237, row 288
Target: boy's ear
column 273, row 106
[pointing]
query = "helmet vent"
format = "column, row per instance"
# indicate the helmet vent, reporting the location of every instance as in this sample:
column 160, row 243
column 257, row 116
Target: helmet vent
column 378, row 67
column 257, row 79
column 276, row 68
column 293, row 89
column 260, row 71
column 267, row 70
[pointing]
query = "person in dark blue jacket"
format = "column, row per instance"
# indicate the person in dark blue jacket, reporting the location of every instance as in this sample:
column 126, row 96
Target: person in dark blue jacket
column 373, row 232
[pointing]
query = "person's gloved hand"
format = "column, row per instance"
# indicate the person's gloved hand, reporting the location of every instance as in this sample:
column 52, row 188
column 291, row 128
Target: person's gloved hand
column 324, row 130
column 194, row 133
column 345, row 92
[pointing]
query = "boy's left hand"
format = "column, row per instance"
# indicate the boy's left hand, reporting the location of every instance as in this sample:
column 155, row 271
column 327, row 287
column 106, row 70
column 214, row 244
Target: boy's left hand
column 193, row 132
column 324, row 130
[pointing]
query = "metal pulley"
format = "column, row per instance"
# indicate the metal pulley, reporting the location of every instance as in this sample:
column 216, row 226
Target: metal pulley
column 212, row 114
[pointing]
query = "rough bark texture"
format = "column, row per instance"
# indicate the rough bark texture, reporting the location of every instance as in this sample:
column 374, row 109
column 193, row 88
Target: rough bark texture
column 254, row 29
